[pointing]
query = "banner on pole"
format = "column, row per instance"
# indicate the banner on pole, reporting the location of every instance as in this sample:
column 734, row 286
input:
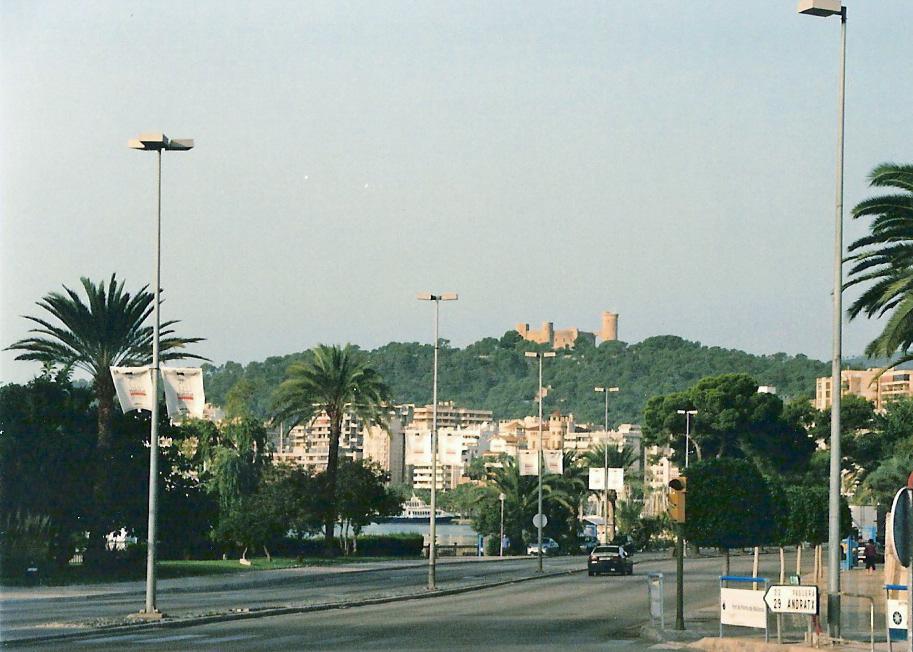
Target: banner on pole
column 529, row 462
column 134, row 387
column 554, row 461
column 450, row 447
column 597, row 478
column 184, row 391
column 418, row 447
column 615, row 479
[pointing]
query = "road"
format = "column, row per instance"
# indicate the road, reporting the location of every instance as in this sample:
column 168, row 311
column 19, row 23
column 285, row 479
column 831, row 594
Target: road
column 567, row 611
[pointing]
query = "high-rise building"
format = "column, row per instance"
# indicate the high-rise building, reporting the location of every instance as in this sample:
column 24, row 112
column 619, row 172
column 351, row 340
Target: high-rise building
column 880, row 390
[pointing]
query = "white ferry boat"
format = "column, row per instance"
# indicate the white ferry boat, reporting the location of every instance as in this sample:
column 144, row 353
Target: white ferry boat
column 417, row 510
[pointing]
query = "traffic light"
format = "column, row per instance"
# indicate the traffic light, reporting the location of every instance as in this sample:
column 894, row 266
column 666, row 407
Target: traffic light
column 677, row 491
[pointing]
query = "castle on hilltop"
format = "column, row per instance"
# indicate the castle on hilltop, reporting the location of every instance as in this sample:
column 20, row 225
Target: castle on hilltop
column 564, row 338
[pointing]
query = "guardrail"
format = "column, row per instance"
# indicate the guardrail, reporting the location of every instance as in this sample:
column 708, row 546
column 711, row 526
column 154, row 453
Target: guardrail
column 871, row 600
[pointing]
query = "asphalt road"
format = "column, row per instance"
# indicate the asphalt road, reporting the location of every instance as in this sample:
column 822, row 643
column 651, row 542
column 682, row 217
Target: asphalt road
column 570, row 611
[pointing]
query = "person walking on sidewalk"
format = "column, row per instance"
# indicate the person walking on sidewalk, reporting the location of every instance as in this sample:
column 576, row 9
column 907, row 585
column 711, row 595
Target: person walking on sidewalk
column 870, row 553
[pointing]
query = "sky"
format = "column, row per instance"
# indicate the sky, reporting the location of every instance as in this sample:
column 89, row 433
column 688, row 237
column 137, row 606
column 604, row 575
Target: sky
column 670, row 161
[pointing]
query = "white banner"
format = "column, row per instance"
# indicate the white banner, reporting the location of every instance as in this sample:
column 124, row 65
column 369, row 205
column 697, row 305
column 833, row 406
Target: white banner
column 449, row 447
column 134, row 387
column 418, row 447
column 554, row 461
column 184, row 391
column 529, row 462
column 743, row 608
column 616, row 479
column 597, row 478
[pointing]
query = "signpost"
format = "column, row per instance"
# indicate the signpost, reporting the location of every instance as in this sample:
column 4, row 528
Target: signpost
column 790, row 599
column 540, row 520
column 902, row 537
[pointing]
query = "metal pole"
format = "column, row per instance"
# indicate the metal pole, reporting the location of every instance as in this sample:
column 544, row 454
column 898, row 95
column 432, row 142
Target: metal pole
column 154, row 428
column 433, row 517
column 539, row 518
column 687, row 436
column 605, row 471
column 909, row 493
column 501, row 540
column 833, row 553
column 679, row 577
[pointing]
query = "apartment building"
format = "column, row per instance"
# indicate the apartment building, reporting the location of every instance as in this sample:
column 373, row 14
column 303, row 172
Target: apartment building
column 449, row 416
column 891, row 385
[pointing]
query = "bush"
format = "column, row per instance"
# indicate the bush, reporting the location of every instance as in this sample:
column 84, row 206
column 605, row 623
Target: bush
column 24, row 541
column 491, row 546
column 391, row 545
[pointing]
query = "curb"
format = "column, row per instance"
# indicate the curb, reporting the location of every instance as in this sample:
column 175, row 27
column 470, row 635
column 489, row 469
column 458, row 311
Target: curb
column 269, row 611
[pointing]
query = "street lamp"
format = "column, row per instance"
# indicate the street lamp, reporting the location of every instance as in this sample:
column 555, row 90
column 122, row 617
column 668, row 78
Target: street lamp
column 156, row 143
column 501, row 497
column 835, row 8
column 605, row 471
column 437, row 298
column 540, row 355
column 688, row 414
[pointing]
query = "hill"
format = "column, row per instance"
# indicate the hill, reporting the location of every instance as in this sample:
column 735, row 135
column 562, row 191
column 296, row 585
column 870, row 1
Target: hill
column 494, row 374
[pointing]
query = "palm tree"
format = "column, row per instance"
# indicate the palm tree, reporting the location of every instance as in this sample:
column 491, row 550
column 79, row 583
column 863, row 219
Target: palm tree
column 335, row 382
column 618, row 458
column 885, row 258
column 105, row 331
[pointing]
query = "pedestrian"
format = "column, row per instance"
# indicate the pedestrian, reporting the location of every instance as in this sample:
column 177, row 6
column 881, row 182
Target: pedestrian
column 870, row 553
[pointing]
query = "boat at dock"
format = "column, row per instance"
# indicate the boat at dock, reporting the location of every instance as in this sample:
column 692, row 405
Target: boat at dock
column 417, row 510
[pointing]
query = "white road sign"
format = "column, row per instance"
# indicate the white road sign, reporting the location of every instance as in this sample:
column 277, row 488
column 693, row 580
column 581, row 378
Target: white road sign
column 540, row 517
column 790, row 599
column 743, row 608
column 896, row 613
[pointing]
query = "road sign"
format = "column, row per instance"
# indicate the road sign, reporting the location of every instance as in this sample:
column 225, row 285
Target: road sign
column 789, row 599
column 896, row 613
column 742, row 608
column 540, row 517
column 902, row 514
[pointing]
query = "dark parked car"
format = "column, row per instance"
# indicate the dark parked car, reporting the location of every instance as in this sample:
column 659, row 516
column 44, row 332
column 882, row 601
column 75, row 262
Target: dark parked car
column 609, row 559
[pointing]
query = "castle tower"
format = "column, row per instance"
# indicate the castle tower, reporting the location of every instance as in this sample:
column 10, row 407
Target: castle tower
column 609, row 330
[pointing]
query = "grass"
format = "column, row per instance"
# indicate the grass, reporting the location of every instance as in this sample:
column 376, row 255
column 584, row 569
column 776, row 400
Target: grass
column 77, row 574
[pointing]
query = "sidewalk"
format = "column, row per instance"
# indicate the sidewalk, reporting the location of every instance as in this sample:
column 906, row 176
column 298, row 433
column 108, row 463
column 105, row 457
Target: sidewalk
column 703, row 624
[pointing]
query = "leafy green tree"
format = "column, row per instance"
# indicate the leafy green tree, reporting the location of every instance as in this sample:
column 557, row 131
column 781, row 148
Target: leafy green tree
column 462, row 499
column 882, row 261
column 236, row 462
column 362, row 497
column 733, row 420
column 337, row 381
column 46, row 439
column 729, row 504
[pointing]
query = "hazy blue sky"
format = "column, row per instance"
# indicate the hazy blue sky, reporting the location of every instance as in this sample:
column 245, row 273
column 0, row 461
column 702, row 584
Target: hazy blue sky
column 672, row 161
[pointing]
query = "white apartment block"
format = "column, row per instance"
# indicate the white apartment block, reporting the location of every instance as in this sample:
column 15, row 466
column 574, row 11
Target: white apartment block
column 449, row 416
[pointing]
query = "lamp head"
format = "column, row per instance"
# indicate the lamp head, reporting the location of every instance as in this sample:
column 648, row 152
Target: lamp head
column 820, row 7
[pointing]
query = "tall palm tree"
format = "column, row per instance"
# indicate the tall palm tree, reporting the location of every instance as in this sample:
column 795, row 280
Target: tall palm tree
column 335, row 382
column 618, row 458
column 884, row 258
column 106, row 330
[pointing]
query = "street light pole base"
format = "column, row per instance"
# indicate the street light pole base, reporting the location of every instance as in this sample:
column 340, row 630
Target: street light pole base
column 147, row 616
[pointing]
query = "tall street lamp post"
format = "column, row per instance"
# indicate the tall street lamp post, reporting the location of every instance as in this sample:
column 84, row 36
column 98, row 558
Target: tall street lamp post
column 605, row 470
column 155, row 143
column 437, row 298
column 835, row 8
column 539, row 516
column 688, row 414
column 501, row 497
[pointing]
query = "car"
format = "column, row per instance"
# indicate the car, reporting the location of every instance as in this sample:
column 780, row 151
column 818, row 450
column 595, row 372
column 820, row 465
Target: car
column 609, row 559
column 549, row 547
column 588, row 544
